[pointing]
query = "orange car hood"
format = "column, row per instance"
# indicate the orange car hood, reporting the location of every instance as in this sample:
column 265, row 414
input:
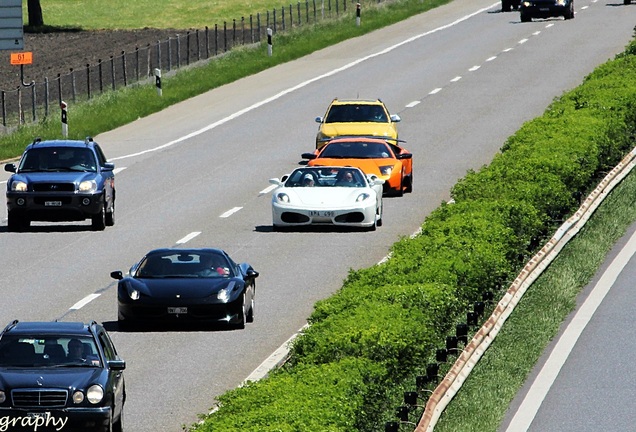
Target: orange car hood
column 368, row 166
column 371, row 129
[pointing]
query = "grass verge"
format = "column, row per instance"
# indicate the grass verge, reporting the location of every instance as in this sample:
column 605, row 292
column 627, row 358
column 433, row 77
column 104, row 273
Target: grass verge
column 481, row 404
column 112, row 109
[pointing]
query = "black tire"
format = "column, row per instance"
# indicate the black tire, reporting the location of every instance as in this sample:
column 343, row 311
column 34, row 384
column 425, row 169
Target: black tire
column 250, row 314
column 98, row 221
column 379, row 220
column 506, row 5
column 118, row 426
column 570, row 13
column 409, row 184
column 525, row 18
column 241, row 319
column 110, row 216
column 626, row 2
column 15, row 222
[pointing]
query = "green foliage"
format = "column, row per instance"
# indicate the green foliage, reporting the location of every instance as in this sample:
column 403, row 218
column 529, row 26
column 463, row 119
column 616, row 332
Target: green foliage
column 329, row 397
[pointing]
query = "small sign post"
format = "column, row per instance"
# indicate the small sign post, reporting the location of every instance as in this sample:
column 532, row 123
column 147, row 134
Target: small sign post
column 64, row 106
column 158, row 81
column 22, row 58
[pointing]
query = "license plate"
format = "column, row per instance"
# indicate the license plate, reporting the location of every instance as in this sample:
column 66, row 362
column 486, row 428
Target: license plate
column 544, row 9
column 53, row 203
column 177, row 310
column 316, row 213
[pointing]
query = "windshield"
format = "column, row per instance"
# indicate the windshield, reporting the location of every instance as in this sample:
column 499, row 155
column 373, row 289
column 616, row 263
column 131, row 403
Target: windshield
column 48, row 351
column 355, row 150
column 49, row 159
column 326, row 177
column 357, row 113
column 185, row 265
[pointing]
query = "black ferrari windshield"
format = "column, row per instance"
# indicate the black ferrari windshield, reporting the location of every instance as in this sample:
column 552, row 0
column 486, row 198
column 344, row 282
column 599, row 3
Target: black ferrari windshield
column 173, row 264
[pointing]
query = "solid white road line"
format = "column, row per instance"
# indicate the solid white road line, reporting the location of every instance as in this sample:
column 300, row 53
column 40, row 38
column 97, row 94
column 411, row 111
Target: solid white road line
column 548, row 374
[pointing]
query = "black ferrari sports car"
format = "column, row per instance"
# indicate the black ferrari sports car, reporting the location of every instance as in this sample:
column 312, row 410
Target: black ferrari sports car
column 186, row 285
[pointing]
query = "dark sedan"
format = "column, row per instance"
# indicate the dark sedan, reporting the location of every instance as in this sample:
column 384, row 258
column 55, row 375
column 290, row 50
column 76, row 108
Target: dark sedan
column 186, row 285
column 546, row 9
column 60, row 376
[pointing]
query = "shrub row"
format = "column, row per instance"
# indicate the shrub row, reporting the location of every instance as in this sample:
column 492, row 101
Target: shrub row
column 386, row 321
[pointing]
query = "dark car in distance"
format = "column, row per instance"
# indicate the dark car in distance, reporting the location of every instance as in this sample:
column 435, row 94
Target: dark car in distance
column 173, row 285
column 61, row 180
column 530, row 9
column 60, row 376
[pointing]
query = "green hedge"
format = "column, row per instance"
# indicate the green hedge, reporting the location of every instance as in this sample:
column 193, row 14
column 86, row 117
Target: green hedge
column 385, row 323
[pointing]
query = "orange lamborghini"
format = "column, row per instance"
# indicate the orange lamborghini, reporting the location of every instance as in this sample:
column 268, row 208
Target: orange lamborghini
column 379, row 156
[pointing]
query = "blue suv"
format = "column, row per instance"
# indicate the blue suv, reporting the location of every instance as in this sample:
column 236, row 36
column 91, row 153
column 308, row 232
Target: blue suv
column 61, row 180
column 60, row 376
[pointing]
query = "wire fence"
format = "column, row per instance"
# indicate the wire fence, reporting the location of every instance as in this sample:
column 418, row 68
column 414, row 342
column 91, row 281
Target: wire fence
column 34, row 102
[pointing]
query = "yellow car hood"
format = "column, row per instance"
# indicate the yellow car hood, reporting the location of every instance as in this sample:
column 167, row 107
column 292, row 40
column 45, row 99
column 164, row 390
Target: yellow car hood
column 370, row 129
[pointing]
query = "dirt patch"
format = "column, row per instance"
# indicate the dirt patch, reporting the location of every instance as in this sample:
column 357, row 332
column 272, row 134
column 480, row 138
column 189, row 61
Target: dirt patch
column 57, row 52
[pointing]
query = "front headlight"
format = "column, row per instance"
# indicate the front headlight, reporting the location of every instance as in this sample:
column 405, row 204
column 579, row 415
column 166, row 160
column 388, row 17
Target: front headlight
column 88, row 186
column 527, row 4
column 132, row 292
column 3, row 396
column 224, row 294
column 78, row 397
column 386, row 170
column 95, row 394
column 560, row 2
column 282, row 197
column 362, row 197
column 19, row 186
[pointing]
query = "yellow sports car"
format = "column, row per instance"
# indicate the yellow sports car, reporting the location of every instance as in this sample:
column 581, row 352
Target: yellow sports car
column 356, row 117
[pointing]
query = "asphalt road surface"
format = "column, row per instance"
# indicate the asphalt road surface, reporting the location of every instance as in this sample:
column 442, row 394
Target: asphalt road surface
column 463, row 78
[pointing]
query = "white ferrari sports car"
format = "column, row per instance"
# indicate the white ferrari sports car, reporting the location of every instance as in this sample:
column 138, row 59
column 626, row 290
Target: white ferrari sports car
column 335, row 196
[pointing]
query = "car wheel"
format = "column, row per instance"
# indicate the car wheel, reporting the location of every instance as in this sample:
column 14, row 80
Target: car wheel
column 570, row 13
column 505, row 5
column 626, row 2
column 250, row 313
column 400, row 190
column 525, row 18
column 110, row 216
column 409, row 184
column 378, row 219
column 240, row 320
column 119, row 424
column 98, row 221
column 15, row 222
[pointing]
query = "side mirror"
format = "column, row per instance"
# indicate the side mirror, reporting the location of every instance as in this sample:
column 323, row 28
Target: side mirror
column 116, row 365
column 318, row 119
column 108, row 166
column 117, row 275
column 276, row 182
column 10, row 167
column 404, row 156
column 308, row 156
column 395, row 118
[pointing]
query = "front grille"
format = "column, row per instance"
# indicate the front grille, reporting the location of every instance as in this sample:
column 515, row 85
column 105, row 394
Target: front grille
column 39, row 398
column 53, row 187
